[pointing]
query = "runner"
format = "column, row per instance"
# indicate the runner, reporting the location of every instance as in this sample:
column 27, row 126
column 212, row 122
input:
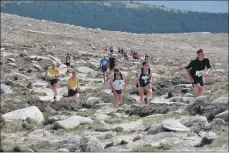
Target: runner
column 111, row 50
column 146, row 57
column 53, row 74
column 116, row 84
column 144, row 82
column 126, row 56
column 104, row 64
column 195, row 71
column 73, row 86
column 68, row 58
column 111, row 63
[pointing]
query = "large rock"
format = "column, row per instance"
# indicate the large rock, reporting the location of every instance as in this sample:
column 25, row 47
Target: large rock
column 5, row 89
column 91, row 101
column 154, row 129
column 90, row 144
column 55, row 59
column 32, row 112
column 84, row 69
column 72, row 122
column 223, row 115
column 174, row 125
column 195, row 120
column 149, row 110
column 203, row 106
column 221, row 100
column 71, row 143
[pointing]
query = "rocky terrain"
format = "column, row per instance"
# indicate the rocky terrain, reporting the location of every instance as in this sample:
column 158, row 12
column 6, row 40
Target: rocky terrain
column 173, row 121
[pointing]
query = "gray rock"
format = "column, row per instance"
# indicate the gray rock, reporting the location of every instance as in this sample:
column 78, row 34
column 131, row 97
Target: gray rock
column 223, row 115
column 154, row 129
column 177, row 99
column 174, row 125
column 11, row 60
column 90, row 144
column 72, row 122
column 217, row 123
column 71, row 143
column 119, row 129
column 13, row 64
column 191, row 121
column 189, row 95
column 63, row 150
column 137, row 138
column 84, row 69
column 32, row 112
column 103, row 105
column 5, row 89
column 91, row 102
column 38, row 67
column 221, row 100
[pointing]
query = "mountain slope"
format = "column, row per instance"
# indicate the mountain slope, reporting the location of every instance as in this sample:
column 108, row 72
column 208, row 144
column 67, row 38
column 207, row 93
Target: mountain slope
column 117, row 16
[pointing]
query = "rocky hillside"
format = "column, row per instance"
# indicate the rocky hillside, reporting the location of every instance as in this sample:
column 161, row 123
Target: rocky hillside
column 173, row 121
column 120, row 16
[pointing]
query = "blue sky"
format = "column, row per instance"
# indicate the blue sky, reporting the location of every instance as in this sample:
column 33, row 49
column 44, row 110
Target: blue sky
column 201, row 6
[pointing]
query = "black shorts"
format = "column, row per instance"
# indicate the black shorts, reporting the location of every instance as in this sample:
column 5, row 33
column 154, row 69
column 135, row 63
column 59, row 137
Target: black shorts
column 72, row 92
column 144, row 84
column 104, row 69
column 112, row 67
column 52, row 82
column 198, row 80
column 68, row 64
column 118, row 92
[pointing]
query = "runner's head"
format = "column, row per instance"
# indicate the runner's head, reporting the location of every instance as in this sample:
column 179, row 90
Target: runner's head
column 200, row 54
column 53, row 66
column 67, row 54
column 104, row 56
column 73, row 73
column 145, row 65
column 117, row 71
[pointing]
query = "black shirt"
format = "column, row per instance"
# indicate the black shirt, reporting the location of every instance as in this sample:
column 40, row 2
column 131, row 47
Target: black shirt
column 196, row 67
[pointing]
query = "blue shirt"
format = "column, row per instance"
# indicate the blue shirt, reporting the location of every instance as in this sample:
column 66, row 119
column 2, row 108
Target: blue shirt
column 104, row 62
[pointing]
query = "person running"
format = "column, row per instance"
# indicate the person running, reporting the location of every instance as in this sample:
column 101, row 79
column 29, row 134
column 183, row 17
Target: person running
column 195, row 71
column 126, row 56
column 104, row 64
column 116, row 84
column 53, row 74
column 146, row 57
column 68, row 58
column 111, row 50
column 137, row 56
column 144, row 82
column 73, row 85
column 111, row 63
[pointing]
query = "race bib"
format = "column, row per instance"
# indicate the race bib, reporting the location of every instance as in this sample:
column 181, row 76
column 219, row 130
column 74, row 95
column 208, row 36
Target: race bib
column 145, row 78
column 199, row 73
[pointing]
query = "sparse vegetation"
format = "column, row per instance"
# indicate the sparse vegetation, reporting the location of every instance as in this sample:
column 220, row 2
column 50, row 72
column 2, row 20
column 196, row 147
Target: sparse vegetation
column 108, row 136
column 86, row 113
column 159, row 118
column 147, row 148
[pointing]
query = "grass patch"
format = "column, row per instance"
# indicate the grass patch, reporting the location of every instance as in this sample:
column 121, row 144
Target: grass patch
column 86, row 113
column 131, row 118
column 108, row 136
column 221, row 141
column 147, row 148
column 12, row 128
column 77, row 130
column 159, row 118
column 131, row 77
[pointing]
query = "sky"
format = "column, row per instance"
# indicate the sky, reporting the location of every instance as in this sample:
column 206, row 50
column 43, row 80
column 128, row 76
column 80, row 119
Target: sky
column 201, row 6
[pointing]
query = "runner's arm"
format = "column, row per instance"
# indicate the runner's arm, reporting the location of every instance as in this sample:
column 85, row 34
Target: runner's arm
column 111, row 80
column 139, row 73
column 208, row 66
column 187, row 69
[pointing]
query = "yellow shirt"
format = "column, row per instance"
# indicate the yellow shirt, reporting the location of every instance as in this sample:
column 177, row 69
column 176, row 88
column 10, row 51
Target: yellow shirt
column 52, row 73
column 73, row 83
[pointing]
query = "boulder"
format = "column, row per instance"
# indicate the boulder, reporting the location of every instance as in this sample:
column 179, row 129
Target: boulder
column 223, row 115
column 72, row 122
column 174, row 125
column 5, row 89
column 90, row 144
column 32, row 112
column 84, row 69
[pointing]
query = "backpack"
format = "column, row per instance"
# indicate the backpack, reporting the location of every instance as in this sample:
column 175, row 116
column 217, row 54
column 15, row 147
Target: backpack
column 112, row 60
column 115, row 77
column 142, row 74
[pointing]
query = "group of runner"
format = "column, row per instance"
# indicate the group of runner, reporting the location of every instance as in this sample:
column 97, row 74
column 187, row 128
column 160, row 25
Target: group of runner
column 118, row 82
